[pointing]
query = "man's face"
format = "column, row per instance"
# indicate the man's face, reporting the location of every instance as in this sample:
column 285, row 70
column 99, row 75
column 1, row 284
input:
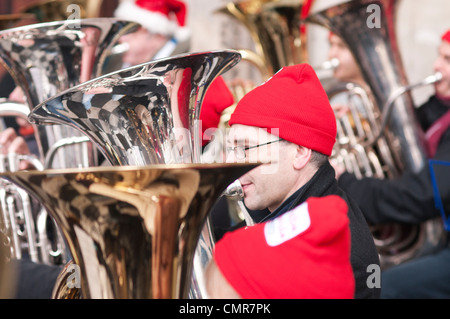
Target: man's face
column 347, row 70
column 442, row 64
column 142, row 46
column 271, row 183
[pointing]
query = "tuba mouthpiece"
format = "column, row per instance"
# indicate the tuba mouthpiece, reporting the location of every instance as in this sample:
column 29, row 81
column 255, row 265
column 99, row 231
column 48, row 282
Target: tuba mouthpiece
column 234, row 190
column 436, row 77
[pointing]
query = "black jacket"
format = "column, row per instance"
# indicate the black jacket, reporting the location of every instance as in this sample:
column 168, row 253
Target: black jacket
column 363, row 250
column 409, row 198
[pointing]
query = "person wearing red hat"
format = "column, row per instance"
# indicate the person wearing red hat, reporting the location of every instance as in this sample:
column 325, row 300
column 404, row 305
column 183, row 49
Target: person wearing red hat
column 410, row 198
column 163, row 30
column 302, row 254
column 164, row 33
column 287, row 123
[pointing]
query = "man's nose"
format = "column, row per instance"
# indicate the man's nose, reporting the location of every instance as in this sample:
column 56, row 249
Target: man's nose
column 437, row 65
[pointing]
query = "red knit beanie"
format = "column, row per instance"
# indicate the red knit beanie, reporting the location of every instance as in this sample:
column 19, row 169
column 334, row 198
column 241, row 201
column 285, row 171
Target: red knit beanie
column 446, row 36
column 294, row 101
column 304, row 253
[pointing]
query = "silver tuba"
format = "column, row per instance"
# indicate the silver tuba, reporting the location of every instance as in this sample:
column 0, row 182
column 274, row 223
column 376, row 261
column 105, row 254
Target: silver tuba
column 146, row 114
column 47, row 58
column 44, row 59
column 376, row 52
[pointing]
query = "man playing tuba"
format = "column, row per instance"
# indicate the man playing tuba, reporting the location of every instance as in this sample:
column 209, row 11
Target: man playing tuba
column 410, row 198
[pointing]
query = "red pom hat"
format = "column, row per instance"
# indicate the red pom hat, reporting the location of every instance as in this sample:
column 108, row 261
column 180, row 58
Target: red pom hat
column 304, row 253
column 294, row 101
column 165, row 17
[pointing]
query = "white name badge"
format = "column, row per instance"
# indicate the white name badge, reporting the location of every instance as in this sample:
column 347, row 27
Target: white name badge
column 287, row 226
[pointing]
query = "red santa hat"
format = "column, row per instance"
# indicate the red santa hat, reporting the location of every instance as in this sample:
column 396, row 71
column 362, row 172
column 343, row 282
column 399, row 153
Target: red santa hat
column 294, row 102
column 167, row 17
column 302, row 254
column 446, row 36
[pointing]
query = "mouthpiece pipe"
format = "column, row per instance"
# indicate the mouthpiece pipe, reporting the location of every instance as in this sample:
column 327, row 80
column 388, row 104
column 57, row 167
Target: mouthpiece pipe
column 235, row 191
column 328, row 65
column 387, row 108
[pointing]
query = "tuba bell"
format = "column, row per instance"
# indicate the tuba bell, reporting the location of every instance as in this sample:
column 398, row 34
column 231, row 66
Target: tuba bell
column 47, row 58
column 376, row 52
column 145, row 114
column 132, row 231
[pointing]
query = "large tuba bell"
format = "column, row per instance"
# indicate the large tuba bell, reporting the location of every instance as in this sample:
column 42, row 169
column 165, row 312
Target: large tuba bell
column 146, row 114
column 132, row 231
column 375, row 50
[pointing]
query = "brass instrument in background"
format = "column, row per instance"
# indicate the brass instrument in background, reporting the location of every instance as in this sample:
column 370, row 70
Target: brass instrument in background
column 132, row 231
column 27, row 228
column 44, row 59
column 47, row 58
column 356, row 130
column 146, row 114
column 275, row 29
column 376, row 52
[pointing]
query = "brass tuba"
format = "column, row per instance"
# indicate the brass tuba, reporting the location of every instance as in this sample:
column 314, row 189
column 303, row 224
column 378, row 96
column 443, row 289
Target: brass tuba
column 275, row 29
column 376, row 52
column 132, row 231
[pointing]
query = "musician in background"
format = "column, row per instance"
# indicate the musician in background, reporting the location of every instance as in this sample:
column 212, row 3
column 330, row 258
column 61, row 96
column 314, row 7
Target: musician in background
column 302, row 254
column 347, row 71
column 290, row 115
column 163, row 33
column 410, row 198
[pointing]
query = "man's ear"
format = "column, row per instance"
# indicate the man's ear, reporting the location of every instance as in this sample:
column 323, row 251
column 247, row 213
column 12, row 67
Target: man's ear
column 302, row 157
